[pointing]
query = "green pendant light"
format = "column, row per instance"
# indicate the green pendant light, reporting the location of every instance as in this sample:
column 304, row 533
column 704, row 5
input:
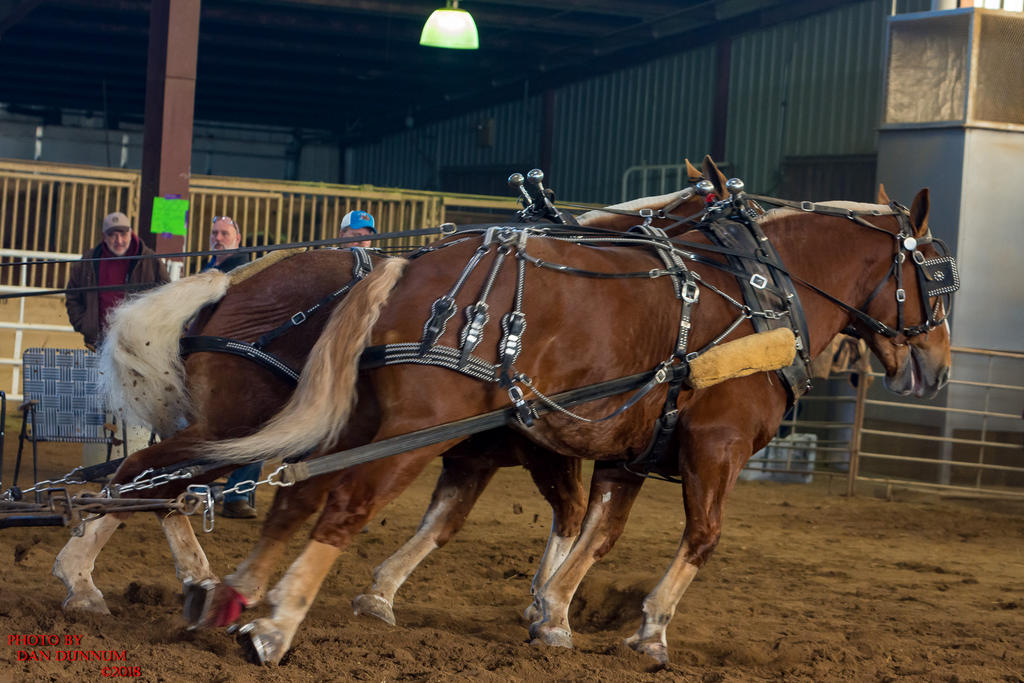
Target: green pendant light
column 451, row 28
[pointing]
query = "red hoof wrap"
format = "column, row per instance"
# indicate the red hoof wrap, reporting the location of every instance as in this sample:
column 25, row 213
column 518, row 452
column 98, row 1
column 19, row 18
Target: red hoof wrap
column 229, row 605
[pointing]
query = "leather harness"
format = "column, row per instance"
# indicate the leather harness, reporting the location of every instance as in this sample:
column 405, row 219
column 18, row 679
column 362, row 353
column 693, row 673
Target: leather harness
column 254, row 351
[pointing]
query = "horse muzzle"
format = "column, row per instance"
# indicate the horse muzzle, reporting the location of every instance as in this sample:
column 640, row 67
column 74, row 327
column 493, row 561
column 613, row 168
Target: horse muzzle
column 919, row 376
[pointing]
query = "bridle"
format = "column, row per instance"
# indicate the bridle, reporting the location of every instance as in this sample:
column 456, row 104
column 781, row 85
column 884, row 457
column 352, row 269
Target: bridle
column 937, row 277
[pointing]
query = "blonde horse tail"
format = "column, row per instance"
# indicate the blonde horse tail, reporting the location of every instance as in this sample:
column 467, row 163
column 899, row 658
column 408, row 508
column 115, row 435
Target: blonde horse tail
column 320, row 407
column 142, row 373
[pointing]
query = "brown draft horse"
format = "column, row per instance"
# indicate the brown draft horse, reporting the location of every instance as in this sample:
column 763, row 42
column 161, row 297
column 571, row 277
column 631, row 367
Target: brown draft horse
column 581, row 331
column 221, row 396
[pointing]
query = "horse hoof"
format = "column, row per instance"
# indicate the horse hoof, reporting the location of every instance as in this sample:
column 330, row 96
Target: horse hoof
column 261, row 642
column 533, row 613
column 211, row 604
column 553, row 636
column 374, row 606
column 85, row 602
column 652, row 648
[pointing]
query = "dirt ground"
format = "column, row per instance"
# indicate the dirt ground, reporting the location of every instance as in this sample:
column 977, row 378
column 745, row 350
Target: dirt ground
column 806, row 585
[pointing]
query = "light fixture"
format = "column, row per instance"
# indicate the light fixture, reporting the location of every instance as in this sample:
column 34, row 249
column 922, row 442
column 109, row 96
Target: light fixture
column 451, row 28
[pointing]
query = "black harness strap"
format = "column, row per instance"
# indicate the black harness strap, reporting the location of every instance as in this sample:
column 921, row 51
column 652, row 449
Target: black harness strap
column 437, row 355
column 306, row 469
column 247, row 350
column 253, row 351
column 688, row 293
column 765, row 286
column 472, row 425
column 361, row 267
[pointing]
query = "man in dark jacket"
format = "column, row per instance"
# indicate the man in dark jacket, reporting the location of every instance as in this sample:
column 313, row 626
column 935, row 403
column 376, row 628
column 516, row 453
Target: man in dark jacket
column 88, row 309
column 225, row 234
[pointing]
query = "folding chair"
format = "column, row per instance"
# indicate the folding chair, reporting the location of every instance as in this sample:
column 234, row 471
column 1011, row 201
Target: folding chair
column 62, row 403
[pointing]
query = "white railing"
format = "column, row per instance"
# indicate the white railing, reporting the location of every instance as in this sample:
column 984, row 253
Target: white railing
column 21, row 325
column 969, row 440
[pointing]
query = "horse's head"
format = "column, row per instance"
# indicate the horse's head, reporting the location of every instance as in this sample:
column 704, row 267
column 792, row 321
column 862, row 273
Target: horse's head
column 914, row 345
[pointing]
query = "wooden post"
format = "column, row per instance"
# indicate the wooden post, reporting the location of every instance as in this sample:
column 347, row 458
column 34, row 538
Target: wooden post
column 170, row 101
column 858, row 423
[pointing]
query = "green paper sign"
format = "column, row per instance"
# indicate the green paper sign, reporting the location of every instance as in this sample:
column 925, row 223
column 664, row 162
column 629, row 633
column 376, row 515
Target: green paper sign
column 169, row 216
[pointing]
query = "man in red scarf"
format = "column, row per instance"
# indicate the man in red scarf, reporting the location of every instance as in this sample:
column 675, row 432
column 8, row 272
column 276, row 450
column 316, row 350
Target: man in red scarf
column 87, row 306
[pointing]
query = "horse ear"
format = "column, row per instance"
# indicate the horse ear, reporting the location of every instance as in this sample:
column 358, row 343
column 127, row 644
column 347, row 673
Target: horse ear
column 692, row 174
column 716, row 177
column 919, row 213
column 883, row 198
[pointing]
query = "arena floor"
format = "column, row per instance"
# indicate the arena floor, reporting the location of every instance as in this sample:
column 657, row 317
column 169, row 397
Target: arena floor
column 806, row 585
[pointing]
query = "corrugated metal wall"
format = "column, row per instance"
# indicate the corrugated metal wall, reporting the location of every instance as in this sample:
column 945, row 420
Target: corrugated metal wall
column 807, row 88
column 810, row 88
column 656, row 113
column 413, row 159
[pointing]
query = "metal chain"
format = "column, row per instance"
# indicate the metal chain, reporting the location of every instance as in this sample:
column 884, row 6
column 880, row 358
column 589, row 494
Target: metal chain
column 528, row 382
column 249, row 485
column 67, row 480
column 140, row 482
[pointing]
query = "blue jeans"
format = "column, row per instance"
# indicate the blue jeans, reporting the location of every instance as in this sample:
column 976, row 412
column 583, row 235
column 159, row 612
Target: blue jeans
column 246, row 472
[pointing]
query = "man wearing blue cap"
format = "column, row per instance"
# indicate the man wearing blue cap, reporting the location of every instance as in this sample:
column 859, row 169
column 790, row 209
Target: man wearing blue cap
column 356, row 223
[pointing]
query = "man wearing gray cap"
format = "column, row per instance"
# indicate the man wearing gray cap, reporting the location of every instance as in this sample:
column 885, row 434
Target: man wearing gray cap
column 88, row 306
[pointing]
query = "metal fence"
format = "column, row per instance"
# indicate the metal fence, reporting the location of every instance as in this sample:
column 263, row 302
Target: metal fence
column 56, row 209
column 968, row 440
column 53, row 212
column 281, row 213
column 59, row 208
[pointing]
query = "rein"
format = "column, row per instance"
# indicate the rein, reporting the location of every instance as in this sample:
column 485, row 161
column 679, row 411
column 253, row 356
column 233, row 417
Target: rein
column 294, row 472
column 938, row 277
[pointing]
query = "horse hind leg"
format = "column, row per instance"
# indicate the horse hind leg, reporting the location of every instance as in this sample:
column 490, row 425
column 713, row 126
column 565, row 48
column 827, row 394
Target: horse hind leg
column 190, row 563
column 75, row 563
column 361, row 492
column 463, row 478
column 265, row 641
column 211, row 603
column 612, row 493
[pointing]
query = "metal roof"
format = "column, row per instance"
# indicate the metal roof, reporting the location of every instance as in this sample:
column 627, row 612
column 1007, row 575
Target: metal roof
column 353, row 68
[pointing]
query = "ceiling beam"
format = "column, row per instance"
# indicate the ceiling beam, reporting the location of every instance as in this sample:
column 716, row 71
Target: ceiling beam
column 539, row 80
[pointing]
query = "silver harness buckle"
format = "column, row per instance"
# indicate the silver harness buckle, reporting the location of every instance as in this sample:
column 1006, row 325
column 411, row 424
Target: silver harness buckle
column 690, row 292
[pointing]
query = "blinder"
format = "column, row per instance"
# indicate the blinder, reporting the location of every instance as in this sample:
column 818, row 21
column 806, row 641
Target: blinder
column 936, row 278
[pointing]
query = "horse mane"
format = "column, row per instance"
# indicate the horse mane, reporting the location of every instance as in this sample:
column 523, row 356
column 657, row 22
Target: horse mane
column 244, row 272
column 320, row 406
column 656, row 202
column 782, row 212
column 142, row 373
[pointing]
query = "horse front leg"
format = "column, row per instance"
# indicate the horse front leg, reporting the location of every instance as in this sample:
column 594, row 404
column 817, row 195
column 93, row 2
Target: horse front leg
column 560, row 481
column 709, row 471
column 612, row 493
column 463, row 478
column 211, row 603
column 362, row 491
